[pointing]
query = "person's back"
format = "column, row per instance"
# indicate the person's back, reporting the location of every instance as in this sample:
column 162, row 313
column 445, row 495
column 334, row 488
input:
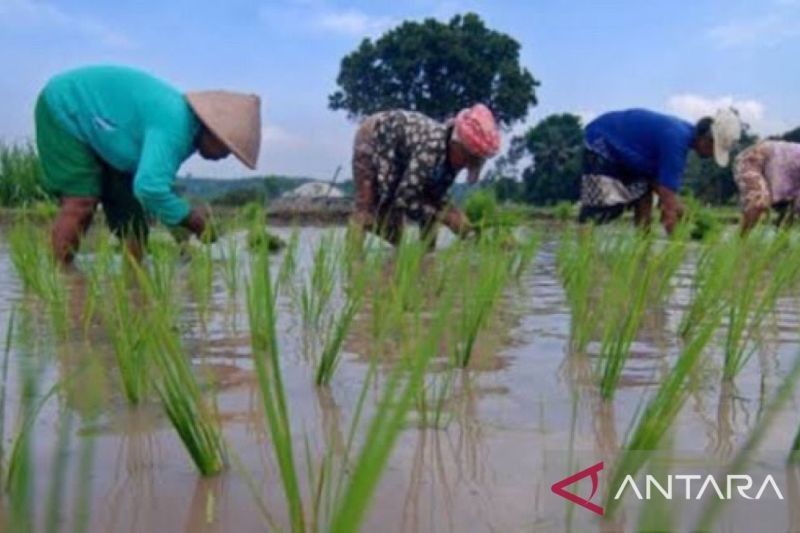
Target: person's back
column 652, row 145
column 112, row 109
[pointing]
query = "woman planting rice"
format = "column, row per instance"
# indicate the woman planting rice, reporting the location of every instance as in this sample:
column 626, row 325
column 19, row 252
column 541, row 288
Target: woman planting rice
column 117, row 136
column 768, row 176
column 404, row 163
column 630, row 155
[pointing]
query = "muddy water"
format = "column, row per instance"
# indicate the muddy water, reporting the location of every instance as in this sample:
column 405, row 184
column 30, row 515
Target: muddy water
column 513, row 422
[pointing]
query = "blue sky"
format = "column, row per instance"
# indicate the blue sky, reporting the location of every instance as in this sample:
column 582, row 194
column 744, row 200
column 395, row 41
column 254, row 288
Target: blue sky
column 591, row 56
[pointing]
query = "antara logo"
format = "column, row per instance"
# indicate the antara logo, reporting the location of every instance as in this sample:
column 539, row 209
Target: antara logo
column 695, row 487
column 592, row 471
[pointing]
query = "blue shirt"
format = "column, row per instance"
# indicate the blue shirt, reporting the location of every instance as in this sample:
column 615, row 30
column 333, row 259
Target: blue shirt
column 135, row 123
column 648, row 144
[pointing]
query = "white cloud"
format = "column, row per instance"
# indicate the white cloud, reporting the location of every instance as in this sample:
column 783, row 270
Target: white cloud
column 753, row 112
column 275, row 137
column 321, row 16
column 32, row 13
column 352, row 22
column 695, row 107
column 778, row 24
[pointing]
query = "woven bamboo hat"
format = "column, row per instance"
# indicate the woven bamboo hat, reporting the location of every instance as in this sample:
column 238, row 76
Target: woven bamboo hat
column 235, row 119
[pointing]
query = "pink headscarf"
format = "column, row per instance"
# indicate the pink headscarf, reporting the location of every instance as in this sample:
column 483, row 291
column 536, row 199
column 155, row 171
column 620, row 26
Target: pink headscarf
column 477, row 130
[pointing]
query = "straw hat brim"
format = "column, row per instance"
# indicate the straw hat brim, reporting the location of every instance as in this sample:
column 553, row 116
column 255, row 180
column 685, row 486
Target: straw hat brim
column 234, row 118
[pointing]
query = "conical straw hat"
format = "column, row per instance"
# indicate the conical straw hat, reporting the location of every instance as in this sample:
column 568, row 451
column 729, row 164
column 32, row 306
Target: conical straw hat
column 235, row 119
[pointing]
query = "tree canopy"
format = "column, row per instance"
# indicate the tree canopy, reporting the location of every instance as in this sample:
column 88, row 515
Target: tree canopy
column 793, row 136
column 556, row 147
column 437, row 69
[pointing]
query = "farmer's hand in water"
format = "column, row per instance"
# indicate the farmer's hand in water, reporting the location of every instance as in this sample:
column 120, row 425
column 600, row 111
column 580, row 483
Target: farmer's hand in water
column 198, row 222
column 458, row 223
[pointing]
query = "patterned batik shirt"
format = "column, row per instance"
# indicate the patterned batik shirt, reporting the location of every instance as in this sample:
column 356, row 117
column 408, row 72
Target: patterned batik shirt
column 769, row 173
column 410, row 158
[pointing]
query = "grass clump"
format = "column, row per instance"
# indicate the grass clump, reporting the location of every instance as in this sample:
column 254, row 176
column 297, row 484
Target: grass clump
column 610, row 282
column 37, row 268
column 264, row 341
column 485, row 213
column 402, row 387
column 316, row 293
column 575, row 257
column 764, row 269
column 654, row 421
column 126, row 326
column 354, row 296
column 481, row 275
column 20, row 176
column 192, row 417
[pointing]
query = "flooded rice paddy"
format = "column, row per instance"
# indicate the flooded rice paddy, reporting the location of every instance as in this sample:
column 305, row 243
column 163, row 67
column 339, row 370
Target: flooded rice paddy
column 510, row 425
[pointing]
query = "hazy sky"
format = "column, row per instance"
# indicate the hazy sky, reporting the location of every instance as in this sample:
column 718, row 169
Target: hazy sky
column 590, row 55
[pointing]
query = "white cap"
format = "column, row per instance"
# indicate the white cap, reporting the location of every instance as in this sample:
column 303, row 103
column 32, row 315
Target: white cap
column 726, row 130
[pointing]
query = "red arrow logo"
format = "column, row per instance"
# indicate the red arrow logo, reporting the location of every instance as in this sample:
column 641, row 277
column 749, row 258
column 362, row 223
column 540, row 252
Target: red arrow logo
column 558, row 488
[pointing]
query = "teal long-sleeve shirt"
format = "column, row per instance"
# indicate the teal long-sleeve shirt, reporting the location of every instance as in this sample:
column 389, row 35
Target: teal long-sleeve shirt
column 136, row 123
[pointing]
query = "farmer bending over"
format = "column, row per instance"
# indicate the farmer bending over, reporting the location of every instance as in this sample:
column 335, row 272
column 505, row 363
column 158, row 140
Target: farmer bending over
column 117, row 136
column 404, row 164
column 630, row 155
column 768, row 175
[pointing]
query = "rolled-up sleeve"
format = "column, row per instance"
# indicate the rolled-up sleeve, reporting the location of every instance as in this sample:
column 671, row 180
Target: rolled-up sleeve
column 152, row 185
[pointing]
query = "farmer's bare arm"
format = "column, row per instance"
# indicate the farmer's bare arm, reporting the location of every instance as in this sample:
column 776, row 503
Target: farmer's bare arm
column 671, row 208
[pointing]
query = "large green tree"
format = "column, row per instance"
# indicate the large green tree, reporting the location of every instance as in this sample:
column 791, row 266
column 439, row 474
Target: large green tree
column 437, row 69
column 556, row 147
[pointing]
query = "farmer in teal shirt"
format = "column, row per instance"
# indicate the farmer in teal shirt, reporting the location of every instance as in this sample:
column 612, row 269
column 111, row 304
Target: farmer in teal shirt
column 116, row 136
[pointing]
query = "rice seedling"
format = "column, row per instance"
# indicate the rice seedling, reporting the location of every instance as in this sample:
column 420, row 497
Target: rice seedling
column 337, row 331
column 126, row 326
column 230, row 267
column 575, row 256
column 257, row 234
column 19, row 465
column 4, row 389
column 524, row 255
column 492, row 220
column 388, row 422
column 432, row 400
column 760, row 277
column 97, row 270
column 193, row 418
column 201, row 278
column 58, row 471
column 481, row 278
column 162, row 273
column 316, row 292
column 638, row 272
column 624, row 298
column 701, row 222
column 774, row 406
column 652, row 424
column 714, row 269
column 289, row 263
column 36, row 267
column 407, row 274
column 264, row 340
